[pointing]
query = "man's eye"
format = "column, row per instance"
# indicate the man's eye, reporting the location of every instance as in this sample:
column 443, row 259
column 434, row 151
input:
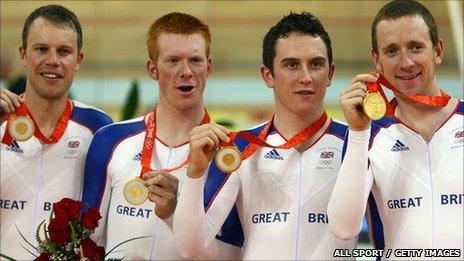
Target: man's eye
column 416, row 48
column 316, row 65
column 390, row 51
column 293, row 66
column 196, row 60
column 64, row 52
column 41, row 49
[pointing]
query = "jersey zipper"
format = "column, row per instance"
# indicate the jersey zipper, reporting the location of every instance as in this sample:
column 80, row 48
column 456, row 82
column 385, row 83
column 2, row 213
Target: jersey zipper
column 298, row 214
column 433, row 195
column 156, row 223
column 37, row 197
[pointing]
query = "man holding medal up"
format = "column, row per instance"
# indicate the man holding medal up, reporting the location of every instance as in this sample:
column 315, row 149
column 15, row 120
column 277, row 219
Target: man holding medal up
column 142, row 158
column 407, row 167
column 279, row 193
column 46, row 136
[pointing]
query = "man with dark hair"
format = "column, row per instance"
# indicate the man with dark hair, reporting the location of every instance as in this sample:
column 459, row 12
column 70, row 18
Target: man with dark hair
column 152, row 149
column 45, row 140
column 406, row 167
column 279, row 194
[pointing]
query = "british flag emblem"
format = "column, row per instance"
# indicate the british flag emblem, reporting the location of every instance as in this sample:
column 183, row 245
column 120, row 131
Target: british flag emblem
column 327, row 154
column 459, row 134
column 73, row 144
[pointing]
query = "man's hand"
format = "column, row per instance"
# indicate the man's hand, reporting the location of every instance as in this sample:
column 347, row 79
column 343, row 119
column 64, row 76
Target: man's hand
column 204, row 142
column 351, row 100
column 8, row 103
column 162, row 188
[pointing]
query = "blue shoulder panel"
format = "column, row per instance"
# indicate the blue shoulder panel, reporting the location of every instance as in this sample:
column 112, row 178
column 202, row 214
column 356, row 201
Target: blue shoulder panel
column 461, row 107
column 98, row 156
column 385, row 122
column 231, row 231
column 378, row 239
column 91, row 118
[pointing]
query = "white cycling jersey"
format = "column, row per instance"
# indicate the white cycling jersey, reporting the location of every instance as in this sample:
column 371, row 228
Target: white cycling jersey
column 279, row 196
column 35, row 175
column 414, row 189
column 114, row 158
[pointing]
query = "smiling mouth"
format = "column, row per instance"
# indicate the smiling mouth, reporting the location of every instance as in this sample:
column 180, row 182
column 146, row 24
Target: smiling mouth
column 186, row 88
column 51, row 76
column 408, row 77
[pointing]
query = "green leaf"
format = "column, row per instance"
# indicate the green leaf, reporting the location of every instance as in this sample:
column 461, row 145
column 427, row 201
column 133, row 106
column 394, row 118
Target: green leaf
column 132, row 102
column 28, row 250
column 123, row 242
column 37, row 236
column 24, row 238
column 45, row 233
column 74, row 236
column 7, row 257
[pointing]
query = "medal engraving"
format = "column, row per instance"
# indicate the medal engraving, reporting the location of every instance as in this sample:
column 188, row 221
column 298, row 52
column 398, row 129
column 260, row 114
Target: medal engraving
column 21, row 128
column 228, row 159
column 135, row 191
column 374, row 106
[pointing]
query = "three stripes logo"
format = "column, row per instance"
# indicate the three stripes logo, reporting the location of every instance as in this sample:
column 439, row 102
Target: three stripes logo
column 273, row 154
column 14, row 147
column 399, row 146
column 138, row 157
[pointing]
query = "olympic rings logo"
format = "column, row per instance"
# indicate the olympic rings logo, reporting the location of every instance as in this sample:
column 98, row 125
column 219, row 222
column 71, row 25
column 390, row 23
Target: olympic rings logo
column 325, row 162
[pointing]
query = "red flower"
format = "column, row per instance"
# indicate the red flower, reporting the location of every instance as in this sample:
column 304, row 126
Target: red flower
column 91, row 250
column 59, row 231
column 67, row 209
column 90, row 218
column 42, row 257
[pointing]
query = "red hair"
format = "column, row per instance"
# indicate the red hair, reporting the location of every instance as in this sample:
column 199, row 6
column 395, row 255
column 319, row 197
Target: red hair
column 177, row 23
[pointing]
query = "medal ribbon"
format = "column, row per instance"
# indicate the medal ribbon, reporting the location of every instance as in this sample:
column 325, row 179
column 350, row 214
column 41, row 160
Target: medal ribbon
column 149, row 143
column 435, row 101
column 257, row 142
column 58, row 132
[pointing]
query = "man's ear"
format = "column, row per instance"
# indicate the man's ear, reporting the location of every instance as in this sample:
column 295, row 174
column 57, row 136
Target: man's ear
column 210, row 66
column 439, row 52
column 152, row 70
column 331, row 74
column 375, row 59
column 267, row 76
column 22, row 55
column 80, row 57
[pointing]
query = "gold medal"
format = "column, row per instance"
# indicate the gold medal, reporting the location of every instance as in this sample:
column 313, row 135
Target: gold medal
column 374, row 106
column 21, row 128
column 135, row 191
column 228, row 159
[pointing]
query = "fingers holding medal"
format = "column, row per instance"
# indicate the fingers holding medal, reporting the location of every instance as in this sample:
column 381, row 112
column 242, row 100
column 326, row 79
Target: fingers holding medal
column 352, row 100
column 204, row 143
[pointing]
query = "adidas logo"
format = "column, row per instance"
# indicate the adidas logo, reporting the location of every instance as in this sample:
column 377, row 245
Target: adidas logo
column 14, row 147
column 399, row 146
column 138, row 156
column 273, row 154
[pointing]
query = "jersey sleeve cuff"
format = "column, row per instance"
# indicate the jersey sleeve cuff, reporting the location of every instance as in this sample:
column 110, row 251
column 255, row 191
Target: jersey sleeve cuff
column 359, row 136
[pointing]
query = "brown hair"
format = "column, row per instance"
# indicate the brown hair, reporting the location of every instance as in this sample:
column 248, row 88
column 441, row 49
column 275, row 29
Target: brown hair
column 178, row 23
column 404, row 8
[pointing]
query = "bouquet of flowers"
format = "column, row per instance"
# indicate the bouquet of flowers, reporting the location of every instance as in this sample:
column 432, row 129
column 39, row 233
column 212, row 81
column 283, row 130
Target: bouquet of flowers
column 67, row 236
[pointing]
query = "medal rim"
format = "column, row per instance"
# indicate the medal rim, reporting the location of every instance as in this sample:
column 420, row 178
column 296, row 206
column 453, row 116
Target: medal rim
column 237, row 155
column 127, row 197
column 30, row 125
column 370, row 115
